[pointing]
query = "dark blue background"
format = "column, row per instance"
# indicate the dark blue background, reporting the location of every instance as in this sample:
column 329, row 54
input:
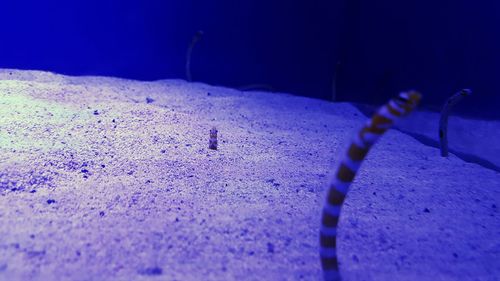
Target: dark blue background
column 437, row 47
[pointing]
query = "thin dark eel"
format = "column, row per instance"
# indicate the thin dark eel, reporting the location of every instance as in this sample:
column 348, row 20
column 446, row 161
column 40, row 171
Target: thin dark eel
column 443, row 120
column 197, row 37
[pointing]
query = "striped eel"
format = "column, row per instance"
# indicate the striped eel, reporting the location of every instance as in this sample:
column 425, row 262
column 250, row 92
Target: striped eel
column 380, row 122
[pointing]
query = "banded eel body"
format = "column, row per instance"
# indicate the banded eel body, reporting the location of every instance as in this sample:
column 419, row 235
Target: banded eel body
column 380, row 122
column 212, row 142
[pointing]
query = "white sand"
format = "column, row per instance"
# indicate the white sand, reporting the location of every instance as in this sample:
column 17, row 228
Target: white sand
column 165, row 207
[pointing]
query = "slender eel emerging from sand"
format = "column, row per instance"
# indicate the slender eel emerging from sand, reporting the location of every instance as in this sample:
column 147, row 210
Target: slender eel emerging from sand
column 196, row 38
column 380, row 122
column 443, row 121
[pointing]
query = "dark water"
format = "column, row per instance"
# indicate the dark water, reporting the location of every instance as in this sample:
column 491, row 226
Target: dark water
column 372, row 49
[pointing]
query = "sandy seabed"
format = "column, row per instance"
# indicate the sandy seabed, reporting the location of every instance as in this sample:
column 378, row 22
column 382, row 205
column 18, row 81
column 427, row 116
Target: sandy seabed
column 111, row 179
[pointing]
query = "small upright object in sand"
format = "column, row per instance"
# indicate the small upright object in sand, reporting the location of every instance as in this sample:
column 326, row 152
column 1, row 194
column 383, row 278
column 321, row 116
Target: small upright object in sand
column 212, row 144
column 443, row 121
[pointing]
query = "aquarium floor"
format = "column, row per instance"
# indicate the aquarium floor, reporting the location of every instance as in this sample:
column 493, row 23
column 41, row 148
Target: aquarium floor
column 110, row 179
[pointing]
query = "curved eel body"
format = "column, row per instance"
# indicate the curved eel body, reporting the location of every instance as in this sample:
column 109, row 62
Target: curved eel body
column 443, row 121
column 380, row 122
